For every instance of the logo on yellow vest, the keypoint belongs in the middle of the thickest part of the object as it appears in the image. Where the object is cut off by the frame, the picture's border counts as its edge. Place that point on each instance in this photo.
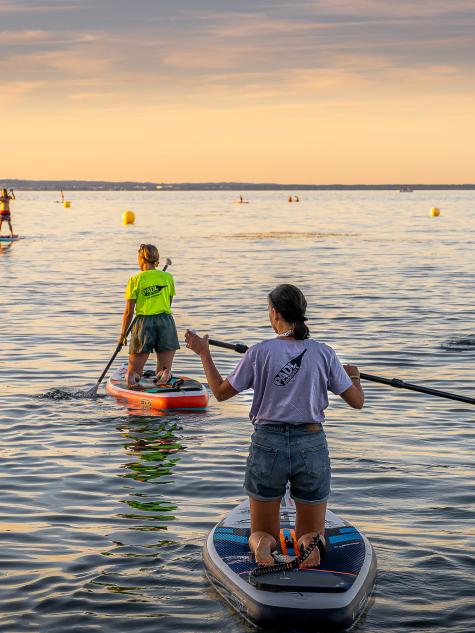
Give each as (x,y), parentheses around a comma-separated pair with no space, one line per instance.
(151,291)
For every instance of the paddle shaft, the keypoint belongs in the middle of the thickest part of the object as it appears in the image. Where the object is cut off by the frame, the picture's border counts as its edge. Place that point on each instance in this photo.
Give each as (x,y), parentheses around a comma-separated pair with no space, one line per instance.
(400,384)
(393,382)
(117,350)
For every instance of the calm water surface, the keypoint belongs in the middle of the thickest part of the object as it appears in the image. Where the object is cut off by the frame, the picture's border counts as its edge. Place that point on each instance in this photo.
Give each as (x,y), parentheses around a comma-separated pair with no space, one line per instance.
(104,512)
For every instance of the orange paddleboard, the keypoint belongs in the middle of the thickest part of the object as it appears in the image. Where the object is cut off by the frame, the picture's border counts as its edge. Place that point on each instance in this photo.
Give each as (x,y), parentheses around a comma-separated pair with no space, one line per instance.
(181,393)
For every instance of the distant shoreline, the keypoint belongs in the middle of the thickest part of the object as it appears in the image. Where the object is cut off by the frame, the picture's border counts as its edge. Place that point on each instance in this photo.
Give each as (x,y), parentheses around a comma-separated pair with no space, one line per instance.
(104,185)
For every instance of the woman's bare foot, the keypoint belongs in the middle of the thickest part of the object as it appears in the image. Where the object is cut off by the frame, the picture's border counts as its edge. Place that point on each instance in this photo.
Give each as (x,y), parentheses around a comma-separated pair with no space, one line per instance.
(314,559)
(263,552)
(262,545)
(164,376)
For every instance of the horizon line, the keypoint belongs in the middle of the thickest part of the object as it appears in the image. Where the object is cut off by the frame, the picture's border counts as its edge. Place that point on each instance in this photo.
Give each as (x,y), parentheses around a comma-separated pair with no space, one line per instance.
(229,185)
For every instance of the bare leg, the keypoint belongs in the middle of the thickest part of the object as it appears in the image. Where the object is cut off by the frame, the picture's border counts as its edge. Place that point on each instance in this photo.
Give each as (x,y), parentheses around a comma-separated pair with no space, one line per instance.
(265,525)
(310,522)
(11,228)
(135,368)
(164,366)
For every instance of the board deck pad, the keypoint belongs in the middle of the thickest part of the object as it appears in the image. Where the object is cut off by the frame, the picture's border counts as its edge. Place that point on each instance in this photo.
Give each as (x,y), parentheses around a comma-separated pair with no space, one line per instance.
(337,571)
(344,556)
(147,385)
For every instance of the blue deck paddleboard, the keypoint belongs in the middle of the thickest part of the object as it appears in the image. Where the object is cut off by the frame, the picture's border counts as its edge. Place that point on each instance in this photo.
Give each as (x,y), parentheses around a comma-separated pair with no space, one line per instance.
(332,596)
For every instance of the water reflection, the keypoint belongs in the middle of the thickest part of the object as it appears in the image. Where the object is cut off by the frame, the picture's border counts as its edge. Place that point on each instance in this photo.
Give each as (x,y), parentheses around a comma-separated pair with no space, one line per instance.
(154,448)
(5,246)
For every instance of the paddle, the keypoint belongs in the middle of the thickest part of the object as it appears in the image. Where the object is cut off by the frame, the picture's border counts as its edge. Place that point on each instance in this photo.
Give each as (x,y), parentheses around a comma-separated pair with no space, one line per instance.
(93,390)
(393,382)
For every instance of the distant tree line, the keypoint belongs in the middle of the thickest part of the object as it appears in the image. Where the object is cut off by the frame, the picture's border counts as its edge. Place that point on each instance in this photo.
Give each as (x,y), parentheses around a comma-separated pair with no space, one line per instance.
(104,185)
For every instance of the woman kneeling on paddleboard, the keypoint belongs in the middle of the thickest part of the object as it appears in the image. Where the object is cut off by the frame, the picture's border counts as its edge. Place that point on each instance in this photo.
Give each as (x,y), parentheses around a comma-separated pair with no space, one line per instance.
(150,294)
(290,375)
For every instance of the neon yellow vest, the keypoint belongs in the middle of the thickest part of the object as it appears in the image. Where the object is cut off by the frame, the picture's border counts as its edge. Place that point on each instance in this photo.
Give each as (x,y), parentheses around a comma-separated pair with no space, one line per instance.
(152,291)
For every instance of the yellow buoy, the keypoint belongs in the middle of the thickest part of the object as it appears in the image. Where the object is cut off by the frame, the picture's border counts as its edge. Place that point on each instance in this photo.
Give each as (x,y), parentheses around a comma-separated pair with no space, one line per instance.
(435,212)
(66,204)
(128,217)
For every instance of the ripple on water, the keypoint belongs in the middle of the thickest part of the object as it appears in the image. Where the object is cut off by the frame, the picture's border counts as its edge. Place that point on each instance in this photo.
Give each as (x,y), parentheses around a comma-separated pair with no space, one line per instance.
(461,344)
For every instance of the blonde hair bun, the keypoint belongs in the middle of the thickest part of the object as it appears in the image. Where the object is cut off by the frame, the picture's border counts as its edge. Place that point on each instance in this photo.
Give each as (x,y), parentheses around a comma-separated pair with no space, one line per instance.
(150,253)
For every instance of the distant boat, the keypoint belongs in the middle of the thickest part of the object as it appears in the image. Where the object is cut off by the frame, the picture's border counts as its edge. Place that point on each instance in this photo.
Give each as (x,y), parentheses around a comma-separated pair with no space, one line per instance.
(405,189)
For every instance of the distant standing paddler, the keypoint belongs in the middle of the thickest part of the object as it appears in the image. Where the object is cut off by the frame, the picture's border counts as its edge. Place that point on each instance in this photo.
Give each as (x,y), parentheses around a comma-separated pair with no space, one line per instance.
(5,209)
(240,201)
(150,295)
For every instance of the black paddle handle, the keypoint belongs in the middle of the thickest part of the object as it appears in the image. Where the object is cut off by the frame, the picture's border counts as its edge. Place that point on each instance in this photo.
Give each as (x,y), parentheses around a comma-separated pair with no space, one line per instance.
(236,347)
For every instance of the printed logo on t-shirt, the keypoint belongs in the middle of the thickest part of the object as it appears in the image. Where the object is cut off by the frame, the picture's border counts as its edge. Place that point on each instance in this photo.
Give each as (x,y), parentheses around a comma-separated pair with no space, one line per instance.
(151,291)
(288,371)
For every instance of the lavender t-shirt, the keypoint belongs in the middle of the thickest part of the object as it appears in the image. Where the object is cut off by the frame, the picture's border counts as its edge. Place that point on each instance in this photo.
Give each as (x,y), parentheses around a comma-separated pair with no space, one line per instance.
(290,380)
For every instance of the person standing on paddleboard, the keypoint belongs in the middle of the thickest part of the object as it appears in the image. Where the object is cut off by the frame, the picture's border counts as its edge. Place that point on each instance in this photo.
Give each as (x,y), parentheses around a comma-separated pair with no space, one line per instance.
(5,215)
(291,376)
(150,295)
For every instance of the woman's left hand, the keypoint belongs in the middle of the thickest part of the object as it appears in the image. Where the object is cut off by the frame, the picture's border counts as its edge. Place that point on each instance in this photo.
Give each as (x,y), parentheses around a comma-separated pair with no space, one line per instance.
(352,371)
(199,344)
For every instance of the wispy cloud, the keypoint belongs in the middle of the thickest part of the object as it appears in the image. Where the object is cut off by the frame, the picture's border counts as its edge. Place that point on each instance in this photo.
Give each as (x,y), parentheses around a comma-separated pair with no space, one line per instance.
(10,38)
(78,61)
(94,96)
(39,37)
(17,6)
(375,9)
(13,91)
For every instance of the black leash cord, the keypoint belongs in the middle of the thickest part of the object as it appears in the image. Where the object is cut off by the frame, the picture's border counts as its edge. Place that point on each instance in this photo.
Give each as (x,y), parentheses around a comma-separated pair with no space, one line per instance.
(294,564)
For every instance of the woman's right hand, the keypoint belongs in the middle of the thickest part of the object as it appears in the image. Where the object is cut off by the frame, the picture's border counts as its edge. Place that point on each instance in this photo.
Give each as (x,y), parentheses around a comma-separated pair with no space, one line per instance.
(122,340)
(199,344)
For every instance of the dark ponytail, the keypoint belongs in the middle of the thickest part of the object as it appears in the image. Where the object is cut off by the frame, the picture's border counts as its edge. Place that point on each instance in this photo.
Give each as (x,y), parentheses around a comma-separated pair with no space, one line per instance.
(290,302)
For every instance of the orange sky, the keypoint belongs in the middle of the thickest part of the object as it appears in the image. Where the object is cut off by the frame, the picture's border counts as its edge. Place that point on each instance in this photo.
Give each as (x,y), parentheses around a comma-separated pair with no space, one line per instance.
(330,91)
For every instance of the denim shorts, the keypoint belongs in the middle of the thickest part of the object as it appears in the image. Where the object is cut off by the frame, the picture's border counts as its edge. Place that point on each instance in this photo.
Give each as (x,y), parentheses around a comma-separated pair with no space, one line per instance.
(283,453)
(154,332)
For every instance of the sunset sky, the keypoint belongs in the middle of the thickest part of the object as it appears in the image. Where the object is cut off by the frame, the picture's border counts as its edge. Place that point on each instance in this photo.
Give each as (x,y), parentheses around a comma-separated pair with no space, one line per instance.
(308,91)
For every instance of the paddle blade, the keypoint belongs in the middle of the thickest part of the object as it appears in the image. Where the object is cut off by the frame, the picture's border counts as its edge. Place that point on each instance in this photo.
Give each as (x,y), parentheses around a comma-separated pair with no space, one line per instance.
(92,392)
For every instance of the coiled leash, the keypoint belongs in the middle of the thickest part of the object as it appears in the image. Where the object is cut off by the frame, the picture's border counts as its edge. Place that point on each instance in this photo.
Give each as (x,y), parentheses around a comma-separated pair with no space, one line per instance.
(294,564)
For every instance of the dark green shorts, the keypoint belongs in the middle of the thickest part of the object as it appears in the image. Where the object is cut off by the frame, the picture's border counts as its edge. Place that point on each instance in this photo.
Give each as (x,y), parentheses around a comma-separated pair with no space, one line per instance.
(153,333)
